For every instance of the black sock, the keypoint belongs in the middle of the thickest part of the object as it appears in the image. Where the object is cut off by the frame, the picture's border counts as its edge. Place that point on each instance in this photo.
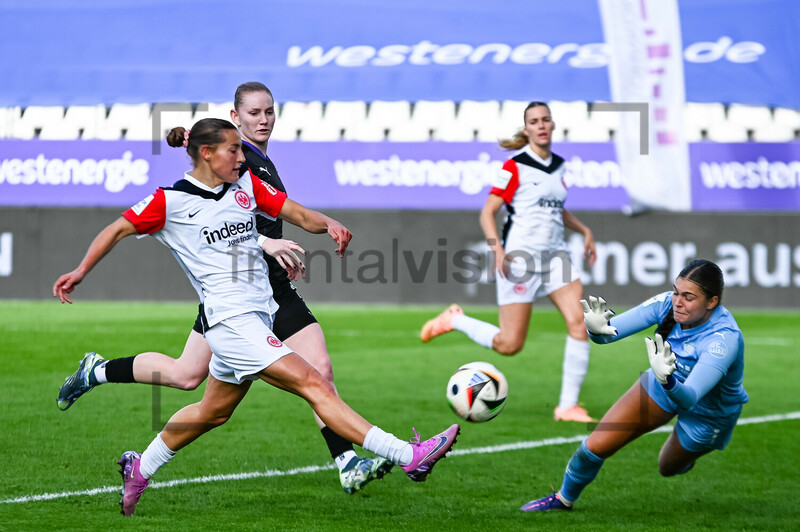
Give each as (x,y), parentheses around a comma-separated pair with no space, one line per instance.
(336,444)
(120,370)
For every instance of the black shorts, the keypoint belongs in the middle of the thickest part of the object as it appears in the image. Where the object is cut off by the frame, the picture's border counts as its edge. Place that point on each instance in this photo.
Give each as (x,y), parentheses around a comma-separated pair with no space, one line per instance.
(293,315)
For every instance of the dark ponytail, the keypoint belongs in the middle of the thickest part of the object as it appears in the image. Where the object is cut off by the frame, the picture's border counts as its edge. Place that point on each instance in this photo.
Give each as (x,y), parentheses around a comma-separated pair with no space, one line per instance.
(207,131)
(704,274)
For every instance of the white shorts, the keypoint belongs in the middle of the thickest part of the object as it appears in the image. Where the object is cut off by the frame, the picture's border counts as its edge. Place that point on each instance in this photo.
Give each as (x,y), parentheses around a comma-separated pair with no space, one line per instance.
(242,346)
(534,276)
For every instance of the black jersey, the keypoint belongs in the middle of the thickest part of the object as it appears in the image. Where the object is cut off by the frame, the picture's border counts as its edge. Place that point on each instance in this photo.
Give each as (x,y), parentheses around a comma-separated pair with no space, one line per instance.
(263,168)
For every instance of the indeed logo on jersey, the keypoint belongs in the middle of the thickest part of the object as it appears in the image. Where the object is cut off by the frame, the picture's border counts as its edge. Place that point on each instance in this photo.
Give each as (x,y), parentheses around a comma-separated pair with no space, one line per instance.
(229,230)
(551,203)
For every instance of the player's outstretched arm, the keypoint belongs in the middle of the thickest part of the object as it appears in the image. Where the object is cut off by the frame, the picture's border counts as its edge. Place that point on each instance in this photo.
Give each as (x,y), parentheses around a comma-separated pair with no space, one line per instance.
(316,222)
(100,246)
(597,316)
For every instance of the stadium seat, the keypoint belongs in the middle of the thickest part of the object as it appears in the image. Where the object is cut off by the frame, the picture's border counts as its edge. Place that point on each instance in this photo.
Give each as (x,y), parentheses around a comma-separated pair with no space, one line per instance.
(59,130)
(727,132)
(381,116)
(472,117)
(142,130)
(478,115)
(493,132)
(692,133)
(569,115)
(702,116)
(609,119)
(125,117)
(773,133)
(512,116)
(388,114)
(343,115)
(212,110)
(172,115)
(365,131)
(87,118)
(787,117)
(432,115)
(454,132)
(28,124)
(6,114)
(284,132)
(295,117)
(409,132)
(588,132)
(321,132)
(749,116)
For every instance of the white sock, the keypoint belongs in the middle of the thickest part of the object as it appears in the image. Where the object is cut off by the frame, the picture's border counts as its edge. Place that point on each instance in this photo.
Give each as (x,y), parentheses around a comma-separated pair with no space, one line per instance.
(576,363)
(480,332)
(100,373)
(156,455)
(387,445)
(343,459)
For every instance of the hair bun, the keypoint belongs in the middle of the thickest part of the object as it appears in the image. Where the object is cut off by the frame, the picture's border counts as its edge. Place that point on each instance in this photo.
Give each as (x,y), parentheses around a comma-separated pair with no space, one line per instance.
(176,137)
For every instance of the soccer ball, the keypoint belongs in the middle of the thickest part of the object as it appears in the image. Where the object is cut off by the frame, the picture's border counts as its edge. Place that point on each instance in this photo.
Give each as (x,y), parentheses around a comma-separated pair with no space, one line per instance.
(477,392)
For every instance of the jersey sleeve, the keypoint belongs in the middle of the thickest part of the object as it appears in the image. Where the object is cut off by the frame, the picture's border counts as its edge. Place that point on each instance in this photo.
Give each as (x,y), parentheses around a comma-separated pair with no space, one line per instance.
(150,214)
(506,181)
(720,350)
(269,199)
(700,381)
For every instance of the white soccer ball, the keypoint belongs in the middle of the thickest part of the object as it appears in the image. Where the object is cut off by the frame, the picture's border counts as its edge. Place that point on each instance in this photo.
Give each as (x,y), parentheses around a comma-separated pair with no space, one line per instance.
(477,392)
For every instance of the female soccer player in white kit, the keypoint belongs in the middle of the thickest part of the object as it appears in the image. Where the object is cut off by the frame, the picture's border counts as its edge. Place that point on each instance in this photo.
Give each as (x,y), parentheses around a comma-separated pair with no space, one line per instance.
(532,260)
(207,221)
(293,324)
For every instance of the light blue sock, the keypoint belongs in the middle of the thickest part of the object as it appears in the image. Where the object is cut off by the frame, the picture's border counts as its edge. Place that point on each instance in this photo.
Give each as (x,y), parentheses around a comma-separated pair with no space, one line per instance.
(581,470)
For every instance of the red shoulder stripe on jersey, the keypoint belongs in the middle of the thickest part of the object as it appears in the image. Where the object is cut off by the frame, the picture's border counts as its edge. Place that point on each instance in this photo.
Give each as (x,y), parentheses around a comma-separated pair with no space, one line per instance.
(150,214)
(269,199)
(508,193)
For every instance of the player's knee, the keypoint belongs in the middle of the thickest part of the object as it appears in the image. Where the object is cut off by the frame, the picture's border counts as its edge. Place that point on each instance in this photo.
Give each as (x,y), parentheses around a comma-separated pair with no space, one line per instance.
(576,328)
(218,419)
(317,387)
(509,346)
(189,382)
(324,368)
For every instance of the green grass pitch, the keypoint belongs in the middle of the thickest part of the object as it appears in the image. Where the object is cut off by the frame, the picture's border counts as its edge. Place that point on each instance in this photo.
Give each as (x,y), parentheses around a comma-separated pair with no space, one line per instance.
(395,381)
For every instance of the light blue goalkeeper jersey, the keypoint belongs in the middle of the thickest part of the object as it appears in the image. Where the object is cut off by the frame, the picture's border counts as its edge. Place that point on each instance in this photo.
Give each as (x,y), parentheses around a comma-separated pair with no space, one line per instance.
(710,357)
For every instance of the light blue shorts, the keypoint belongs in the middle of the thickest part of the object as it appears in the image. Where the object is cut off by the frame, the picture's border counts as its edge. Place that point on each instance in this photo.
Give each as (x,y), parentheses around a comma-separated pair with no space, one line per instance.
(696,433)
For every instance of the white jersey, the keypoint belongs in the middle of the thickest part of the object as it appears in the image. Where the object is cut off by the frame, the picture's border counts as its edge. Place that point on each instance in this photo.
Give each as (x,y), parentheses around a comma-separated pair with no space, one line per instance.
(534,192)
(212,235)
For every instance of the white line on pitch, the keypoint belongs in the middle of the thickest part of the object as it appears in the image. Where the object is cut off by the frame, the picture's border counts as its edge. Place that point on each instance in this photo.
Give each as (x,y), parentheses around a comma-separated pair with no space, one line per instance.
(314,469)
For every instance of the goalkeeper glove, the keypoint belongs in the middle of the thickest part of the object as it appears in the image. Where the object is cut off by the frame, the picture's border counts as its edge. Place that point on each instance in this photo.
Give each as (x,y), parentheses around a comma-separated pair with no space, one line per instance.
(596,316)
(662,359)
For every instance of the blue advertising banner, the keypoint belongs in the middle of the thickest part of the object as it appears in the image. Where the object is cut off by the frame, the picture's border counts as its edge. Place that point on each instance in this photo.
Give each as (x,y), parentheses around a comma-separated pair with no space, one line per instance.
(69,52)
(383,175)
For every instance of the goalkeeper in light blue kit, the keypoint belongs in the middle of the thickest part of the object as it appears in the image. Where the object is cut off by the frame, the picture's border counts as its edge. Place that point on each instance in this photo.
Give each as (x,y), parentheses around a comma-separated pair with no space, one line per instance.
(696,370)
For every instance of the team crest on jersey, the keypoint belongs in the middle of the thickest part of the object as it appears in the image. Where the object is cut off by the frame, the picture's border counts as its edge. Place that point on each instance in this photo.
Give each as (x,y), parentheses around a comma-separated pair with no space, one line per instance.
(688,348)
(718,350)
(274,342)
(242,199)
